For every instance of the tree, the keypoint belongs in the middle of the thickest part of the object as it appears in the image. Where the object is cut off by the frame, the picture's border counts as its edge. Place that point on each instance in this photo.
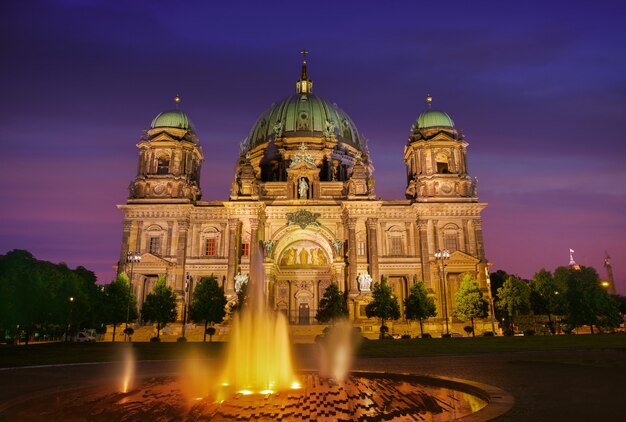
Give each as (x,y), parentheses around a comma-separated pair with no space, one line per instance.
(160,305)
(514,297)
(208,303)
(419,306)
(470,302)
(544,294)
(116,302)
(332,306)
(621,302)
(383,305)
(496,280)
(586,302)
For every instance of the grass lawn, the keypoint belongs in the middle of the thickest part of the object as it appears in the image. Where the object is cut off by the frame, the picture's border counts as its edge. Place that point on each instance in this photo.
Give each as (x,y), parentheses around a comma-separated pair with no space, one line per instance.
(477,345)
(59,353)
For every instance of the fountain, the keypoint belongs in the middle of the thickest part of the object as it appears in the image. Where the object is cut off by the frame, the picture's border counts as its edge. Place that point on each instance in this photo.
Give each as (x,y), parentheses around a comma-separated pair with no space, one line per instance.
(258,382)
(258,358)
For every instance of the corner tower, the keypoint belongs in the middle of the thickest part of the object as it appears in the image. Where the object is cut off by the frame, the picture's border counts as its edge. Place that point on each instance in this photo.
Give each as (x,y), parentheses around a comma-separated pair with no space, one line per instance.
(436,162)
(169,161)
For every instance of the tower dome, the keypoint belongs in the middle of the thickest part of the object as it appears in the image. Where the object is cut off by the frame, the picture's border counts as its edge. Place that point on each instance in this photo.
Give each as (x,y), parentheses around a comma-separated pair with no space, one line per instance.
(433,118)
(172,119)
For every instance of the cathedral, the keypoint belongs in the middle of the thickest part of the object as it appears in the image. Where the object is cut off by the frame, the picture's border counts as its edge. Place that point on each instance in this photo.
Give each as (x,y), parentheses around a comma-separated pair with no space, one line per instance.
(302,205)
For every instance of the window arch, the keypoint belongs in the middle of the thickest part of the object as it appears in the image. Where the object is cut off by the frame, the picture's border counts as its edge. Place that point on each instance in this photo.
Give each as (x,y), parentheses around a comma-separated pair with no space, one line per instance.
(442,163)
(450,237)
(210,242)
(395,241)
(154,239)
(163,164)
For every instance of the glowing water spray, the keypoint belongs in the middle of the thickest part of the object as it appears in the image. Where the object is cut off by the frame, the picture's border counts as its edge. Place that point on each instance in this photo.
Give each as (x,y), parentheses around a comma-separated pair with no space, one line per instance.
(128,369)
(258,359)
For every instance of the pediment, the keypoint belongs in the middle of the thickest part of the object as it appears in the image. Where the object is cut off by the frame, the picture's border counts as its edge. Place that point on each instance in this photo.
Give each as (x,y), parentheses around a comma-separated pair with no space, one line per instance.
(164,137)
(462,258)
(151,260)
(303,165)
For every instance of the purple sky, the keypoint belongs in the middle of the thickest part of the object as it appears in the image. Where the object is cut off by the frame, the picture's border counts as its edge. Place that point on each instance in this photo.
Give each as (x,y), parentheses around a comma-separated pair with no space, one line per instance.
(539,89)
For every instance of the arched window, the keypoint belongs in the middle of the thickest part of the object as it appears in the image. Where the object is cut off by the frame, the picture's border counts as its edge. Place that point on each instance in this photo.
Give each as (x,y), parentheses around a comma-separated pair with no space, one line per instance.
(163,165)
(442,163)
(396,234)
(450,234)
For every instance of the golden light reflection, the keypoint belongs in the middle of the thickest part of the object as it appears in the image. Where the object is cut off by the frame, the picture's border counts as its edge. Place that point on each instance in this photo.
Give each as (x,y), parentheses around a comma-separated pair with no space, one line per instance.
(258,358)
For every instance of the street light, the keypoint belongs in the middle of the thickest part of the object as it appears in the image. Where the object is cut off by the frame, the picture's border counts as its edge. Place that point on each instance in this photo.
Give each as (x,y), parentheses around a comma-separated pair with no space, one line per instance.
(187,283)
(69,320)
(493,316)
(132,257)
(443,256)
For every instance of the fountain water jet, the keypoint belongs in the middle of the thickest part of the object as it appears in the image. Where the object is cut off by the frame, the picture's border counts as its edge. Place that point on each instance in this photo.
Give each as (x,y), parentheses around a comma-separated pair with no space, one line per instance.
(258,357)
(128,368)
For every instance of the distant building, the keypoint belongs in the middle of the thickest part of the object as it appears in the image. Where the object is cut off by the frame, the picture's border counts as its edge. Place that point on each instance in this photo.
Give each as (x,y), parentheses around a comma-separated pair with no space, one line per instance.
(609,283)
(303,194)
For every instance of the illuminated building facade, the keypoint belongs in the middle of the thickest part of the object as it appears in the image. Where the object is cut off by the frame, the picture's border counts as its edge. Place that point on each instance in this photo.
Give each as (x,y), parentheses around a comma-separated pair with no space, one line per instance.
(302,200)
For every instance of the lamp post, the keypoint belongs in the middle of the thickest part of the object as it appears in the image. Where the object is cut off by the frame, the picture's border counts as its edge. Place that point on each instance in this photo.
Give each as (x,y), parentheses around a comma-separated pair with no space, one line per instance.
(187,281)
(132,257)
(443,256)
(491,309)
(69,320)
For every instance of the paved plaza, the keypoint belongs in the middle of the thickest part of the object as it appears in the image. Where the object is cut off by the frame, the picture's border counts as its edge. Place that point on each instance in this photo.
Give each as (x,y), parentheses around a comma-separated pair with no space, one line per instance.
(547,386)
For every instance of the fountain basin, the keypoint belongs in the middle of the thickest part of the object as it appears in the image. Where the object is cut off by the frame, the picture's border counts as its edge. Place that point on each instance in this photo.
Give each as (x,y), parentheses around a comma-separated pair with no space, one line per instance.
(364,396)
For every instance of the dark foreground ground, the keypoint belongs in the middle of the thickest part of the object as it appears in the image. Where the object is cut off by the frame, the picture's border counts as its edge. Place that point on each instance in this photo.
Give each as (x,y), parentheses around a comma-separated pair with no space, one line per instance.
(571,382)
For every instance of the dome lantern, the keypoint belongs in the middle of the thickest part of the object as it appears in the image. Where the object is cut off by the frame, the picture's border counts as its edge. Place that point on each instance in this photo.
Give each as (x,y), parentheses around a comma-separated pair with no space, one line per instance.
(304,85)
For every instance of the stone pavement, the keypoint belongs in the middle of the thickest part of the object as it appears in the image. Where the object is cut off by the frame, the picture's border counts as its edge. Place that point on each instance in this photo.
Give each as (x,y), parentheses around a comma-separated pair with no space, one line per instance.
(574,385)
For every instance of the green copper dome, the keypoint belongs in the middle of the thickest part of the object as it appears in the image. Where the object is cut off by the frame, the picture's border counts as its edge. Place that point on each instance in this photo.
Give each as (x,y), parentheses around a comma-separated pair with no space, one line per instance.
(172,118)
(303,115)
(433,118)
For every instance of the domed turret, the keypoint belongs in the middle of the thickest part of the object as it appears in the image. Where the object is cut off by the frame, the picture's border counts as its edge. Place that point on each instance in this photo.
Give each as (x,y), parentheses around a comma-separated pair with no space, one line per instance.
(433,118)
(169,160)
(436,160)
(173,119)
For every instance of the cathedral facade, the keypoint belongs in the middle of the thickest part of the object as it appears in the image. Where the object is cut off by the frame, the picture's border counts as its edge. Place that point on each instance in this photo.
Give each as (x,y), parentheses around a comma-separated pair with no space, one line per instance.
(302,206)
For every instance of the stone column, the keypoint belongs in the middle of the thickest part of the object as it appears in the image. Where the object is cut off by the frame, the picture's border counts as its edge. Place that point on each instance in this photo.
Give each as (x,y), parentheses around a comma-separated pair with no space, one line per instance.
(352,270)
(465,166)
(254,242)
(409,239)
(372,250)
(127,225)
(480,248)
(424,255)
(181,253)
(233,224)
(452,163)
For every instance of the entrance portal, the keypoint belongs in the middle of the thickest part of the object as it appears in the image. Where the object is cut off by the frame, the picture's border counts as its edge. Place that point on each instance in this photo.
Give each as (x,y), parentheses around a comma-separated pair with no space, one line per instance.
(303,314)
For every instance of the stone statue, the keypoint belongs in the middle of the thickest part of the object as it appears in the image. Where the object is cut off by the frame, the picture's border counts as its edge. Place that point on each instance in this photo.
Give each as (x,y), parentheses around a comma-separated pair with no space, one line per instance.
(365,282)
(303,188)
(240,280)
(243,145)
(329,129)
(338,246)
(278,129)
(268,245)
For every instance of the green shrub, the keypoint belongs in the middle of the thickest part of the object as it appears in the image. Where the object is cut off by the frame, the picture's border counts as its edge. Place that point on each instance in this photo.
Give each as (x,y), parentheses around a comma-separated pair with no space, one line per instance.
(488,334)
(468,329)
(509,333)
(529,332)
(155,340)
